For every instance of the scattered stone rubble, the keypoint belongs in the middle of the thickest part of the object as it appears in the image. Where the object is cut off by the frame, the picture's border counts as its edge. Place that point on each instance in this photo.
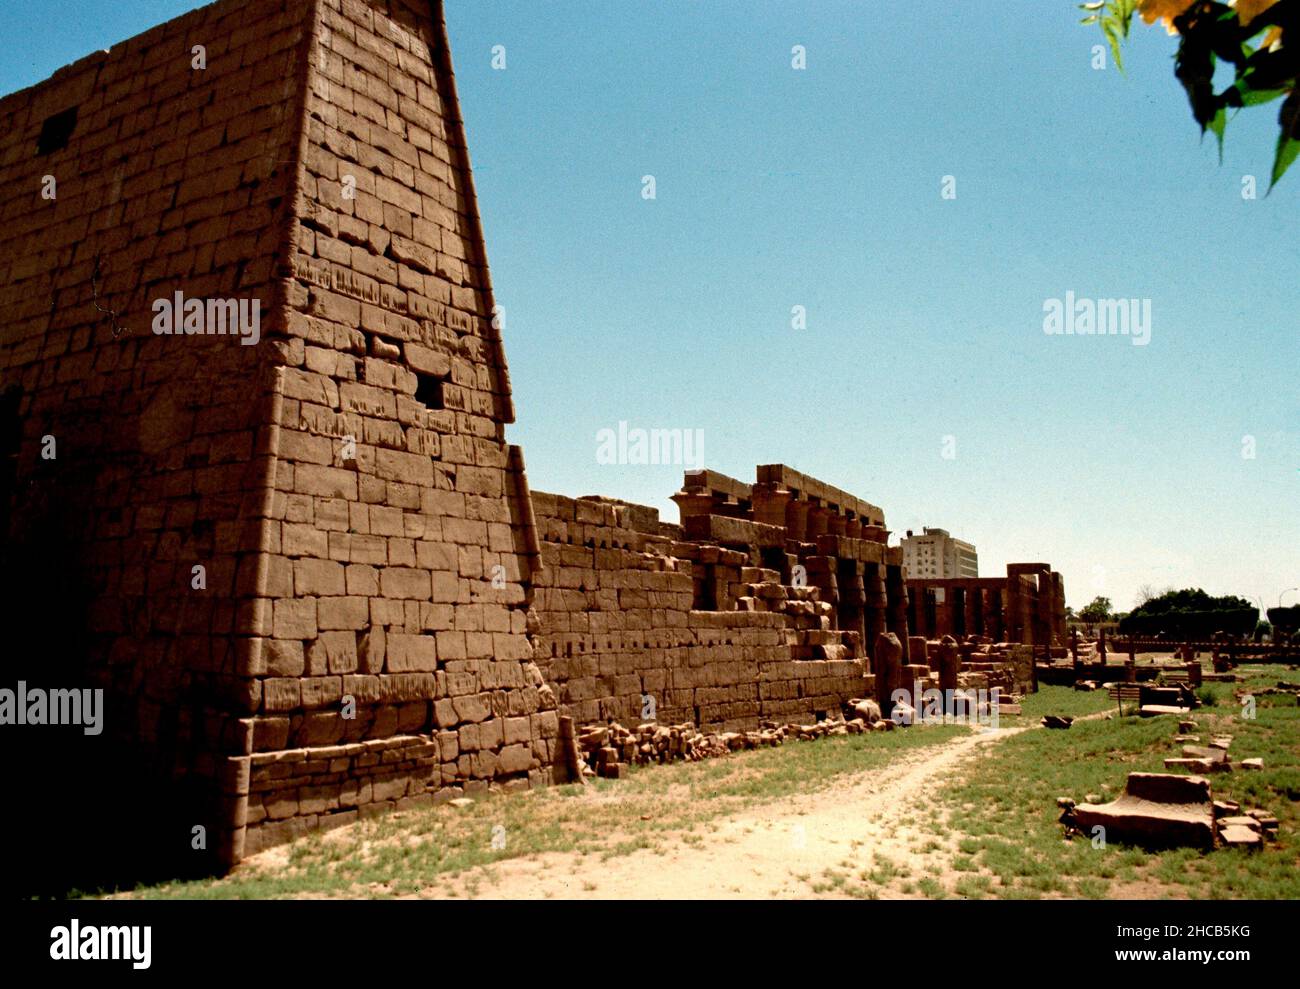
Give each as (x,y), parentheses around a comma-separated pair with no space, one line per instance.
(1169,810)
(608,750)
(1283,688)
(1211,758)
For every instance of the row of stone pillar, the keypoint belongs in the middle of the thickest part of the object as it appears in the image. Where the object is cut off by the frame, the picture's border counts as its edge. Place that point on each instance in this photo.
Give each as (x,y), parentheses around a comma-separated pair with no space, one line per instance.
(804,520)
(981,609)
(891,657)
(869,598)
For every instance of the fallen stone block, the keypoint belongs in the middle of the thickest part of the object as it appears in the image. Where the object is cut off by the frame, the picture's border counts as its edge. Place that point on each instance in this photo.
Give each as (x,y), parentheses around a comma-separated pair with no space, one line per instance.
(1186,727)
(1155,810)
(1267,822)
(1053,721)
(1240,820)
(1255,764)
(1199,765)
(1237,836)
(1154,710)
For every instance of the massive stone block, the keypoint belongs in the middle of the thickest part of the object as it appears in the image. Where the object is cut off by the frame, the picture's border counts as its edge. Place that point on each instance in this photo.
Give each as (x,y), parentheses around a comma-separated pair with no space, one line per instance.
(234,527)
(1156,810)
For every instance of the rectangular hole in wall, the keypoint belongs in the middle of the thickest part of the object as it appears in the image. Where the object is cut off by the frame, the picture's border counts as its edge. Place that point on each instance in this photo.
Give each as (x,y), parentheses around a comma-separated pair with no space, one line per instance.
(56,131)
(428,391)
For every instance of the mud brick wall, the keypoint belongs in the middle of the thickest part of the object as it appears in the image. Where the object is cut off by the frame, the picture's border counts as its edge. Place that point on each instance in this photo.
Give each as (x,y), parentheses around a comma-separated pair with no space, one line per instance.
(617,626)
(166,178)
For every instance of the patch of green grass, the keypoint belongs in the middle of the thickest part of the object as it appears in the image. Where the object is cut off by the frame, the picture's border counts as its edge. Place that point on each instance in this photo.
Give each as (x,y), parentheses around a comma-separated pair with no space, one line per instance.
(1005,809)
(447,851)
(884,872)
(1064,702)
(974,887)
(931,889)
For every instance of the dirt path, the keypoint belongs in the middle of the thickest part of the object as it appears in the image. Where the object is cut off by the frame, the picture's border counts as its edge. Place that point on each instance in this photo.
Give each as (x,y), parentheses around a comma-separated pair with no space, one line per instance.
(873,822)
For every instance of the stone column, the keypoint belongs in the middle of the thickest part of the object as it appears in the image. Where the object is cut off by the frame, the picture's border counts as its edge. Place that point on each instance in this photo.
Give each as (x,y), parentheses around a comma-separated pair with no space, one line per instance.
(1011,616)
(949,662)
(943,613)
(993,615)
(1043,610)
(821,574)
(875,620)
(692,503)
(818,521)
(796,519)
(853,597)
(970,601)
(770,501)
(1058,605)
(888,670)
(896,589)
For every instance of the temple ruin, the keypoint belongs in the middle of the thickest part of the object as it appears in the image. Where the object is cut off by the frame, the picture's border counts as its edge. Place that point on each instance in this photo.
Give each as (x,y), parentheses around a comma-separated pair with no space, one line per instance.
(1027,606)
(308,573)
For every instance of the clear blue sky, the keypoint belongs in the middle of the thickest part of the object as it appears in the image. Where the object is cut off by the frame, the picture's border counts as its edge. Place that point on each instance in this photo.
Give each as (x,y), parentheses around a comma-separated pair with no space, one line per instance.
(1121,465)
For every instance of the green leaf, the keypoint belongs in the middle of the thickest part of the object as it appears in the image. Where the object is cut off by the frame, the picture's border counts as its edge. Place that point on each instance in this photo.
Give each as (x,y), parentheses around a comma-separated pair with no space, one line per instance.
(1288,148)
(1111,32)
(1288,140)
(1125,10)
(1258,97)
(1218,124)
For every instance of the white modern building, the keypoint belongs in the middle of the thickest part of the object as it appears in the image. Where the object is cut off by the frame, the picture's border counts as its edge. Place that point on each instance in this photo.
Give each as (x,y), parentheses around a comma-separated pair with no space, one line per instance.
(936,555)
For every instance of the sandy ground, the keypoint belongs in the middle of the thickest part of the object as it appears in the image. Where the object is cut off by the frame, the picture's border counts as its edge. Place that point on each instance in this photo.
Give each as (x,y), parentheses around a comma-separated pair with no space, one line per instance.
(777,850)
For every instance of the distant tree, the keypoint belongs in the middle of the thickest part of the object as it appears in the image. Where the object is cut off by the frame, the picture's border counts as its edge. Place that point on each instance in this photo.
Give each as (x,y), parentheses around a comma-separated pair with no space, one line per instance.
(1189,599)
(1192,612)
(1098,610)
(1258,38)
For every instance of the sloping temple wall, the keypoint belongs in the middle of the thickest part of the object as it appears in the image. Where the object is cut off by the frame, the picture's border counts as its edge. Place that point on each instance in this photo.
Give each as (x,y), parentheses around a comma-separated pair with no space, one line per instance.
(356,636)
